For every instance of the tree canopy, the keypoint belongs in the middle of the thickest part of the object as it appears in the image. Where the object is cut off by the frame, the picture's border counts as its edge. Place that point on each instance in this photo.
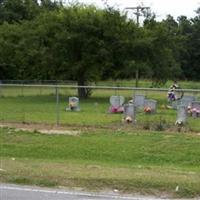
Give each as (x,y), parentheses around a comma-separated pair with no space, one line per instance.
(42,40)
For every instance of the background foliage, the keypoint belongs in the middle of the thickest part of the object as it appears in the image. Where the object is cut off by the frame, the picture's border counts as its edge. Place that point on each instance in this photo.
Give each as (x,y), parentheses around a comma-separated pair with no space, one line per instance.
(41,40)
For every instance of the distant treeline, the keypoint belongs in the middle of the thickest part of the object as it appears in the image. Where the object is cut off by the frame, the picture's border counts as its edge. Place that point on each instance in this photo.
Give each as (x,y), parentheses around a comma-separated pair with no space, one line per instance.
(41,40)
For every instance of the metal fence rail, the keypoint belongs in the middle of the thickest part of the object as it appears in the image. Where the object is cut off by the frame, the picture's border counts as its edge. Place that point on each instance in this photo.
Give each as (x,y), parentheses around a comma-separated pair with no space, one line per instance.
(99,87)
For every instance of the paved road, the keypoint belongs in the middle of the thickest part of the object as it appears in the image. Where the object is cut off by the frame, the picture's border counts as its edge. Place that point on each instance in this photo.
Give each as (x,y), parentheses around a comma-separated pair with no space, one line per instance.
(15,192)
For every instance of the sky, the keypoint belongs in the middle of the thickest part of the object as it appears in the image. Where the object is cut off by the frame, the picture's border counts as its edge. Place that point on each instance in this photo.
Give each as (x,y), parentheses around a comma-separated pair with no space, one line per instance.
(160,7)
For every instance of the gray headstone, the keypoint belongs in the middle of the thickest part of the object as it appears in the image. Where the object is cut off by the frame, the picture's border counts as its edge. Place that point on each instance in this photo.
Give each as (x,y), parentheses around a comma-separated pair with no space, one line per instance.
(139,101)
(129,113)
(150,103)
(181,114)
(187,100)
(74,104)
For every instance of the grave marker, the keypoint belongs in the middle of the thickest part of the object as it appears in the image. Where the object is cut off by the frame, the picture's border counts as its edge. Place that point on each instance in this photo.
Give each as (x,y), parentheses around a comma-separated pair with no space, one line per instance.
(181,115)
(129,113)
(139,101)
(150,105)
(116,104)
(73,104)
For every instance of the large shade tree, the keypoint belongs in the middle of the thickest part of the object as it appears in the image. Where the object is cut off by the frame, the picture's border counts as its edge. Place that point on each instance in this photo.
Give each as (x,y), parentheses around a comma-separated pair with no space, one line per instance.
(86,44)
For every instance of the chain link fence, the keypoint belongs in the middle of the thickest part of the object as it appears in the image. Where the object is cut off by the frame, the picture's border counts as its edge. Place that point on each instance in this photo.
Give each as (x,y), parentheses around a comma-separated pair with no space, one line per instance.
(47,102)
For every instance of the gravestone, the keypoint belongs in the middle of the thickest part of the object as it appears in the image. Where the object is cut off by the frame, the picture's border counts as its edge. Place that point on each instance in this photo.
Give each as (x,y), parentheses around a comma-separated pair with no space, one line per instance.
(187,100)
(139,101)
(117,101)
(129,113)
(150,105)
(73,104)
(195,109)
(116,104)
(181,115)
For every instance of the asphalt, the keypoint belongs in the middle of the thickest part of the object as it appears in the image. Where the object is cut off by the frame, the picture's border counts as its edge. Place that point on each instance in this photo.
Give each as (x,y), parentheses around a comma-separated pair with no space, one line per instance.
(16,192)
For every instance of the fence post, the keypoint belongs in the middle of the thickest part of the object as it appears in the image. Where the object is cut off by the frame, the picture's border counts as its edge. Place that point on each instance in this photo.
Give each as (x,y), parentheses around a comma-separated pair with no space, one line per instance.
(57,107)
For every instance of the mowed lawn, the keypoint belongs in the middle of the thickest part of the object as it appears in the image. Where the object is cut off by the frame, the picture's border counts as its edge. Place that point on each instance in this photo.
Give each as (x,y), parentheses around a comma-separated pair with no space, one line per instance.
(108,154)
(38,105)
(135,161)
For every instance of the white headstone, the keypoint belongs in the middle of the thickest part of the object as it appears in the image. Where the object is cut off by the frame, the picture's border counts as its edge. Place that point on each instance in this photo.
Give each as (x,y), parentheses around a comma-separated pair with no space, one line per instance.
(117,101)
(74,104)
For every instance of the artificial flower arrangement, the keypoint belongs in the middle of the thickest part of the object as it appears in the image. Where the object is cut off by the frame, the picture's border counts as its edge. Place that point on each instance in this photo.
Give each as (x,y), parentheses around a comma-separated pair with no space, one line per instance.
(171,96)
(72,105)
(193,111)
(148,110)
(114,109)
(128,119)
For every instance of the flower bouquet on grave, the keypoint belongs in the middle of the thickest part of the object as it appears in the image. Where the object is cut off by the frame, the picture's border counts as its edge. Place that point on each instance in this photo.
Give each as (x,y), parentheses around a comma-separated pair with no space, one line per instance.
(114,109)
(148,110)
(128,119)
(72,105)
(171,96)
(195,112)
(189,110)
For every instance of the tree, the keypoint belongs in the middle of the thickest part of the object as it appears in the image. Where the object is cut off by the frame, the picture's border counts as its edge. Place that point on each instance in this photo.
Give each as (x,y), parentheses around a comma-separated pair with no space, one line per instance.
(163,54)
(194,46)
(16,10)
(185,29)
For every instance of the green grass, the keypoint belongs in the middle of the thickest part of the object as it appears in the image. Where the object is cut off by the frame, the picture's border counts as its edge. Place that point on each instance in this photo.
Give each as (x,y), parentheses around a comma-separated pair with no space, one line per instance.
(132,162)
(94,111)
(108,154)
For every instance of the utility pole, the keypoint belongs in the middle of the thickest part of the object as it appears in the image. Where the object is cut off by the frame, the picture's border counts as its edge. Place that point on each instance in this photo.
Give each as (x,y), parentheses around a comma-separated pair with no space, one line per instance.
(140,11)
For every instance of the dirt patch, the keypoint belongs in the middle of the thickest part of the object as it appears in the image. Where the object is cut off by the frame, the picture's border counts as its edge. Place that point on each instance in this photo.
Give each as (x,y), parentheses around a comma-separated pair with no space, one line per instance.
(74,129)
(41,128)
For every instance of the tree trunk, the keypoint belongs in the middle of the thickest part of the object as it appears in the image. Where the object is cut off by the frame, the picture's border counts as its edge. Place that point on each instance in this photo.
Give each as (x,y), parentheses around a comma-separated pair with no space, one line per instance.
(82,92)
(136,77)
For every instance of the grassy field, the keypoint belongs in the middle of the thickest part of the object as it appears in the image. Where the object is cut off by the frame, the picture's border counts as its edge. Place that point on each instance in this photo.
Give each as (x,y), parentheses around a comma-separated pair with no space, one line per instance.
(133,162)
(147,158)
(36,105)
